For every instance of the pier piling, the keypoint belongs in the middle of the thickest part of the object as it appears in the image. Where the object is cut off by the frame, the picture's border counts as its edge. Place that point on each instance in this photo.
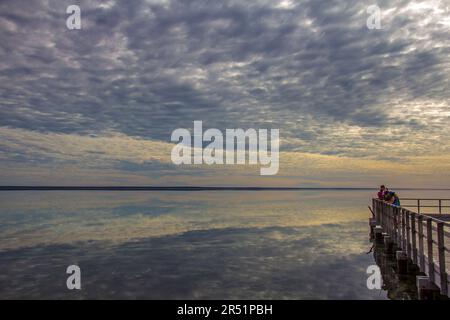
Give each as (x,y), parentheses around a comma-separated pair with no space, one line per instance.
(379,234)
(372,225)
(388,244)
(402,262)
(426,289)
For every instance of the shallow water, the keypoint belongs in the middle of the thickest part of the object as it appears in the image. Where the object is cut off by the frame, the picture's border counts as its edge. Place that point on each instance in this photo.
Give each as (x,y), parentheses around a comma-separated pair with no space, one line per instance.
(305,244)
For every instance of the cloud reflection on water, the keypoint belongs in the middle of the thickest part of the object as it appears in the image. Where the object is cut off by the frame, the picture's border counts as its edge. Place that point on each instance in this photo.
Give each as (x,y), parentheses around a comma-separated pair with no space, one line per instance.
(293,245)
(35,218)
(258,263)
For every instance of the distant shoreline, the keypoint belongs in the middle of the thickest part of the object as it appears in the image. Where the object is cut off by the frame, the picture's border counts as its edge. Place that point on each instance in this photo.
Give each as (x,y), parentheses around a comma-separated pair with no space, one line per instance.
(189,188)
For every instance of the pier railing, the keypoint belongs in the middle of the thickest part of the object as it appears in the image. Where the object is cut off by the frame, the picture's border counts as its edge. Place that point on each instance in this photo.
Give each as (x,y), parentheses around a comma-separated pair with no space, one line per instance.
(423,238)
(427,205)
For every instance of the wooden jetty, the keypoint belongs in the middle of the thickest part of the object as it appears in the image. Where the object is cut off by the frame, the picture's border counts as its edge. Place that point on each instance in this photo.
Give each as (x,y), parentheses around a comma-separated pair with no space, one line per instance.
(419,239)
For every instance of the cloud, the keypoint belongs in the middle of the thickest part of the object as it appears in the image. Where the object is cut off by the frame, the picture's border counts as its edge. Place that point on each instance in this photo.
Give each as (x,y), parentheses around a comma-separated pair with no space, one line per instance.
(140,69)
(29,158)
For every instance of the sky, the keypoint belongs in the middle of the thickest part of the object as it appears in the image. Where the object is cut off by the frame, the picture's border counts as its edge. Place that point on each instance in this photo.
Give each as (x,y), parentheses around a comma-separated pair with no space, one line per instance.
(355,107)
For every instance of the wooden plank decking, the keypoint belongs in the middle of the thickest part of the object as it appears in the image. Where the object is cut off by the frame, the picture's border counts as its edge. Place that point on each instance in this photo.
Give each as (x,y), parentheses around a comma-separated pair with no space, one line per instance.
(423,238)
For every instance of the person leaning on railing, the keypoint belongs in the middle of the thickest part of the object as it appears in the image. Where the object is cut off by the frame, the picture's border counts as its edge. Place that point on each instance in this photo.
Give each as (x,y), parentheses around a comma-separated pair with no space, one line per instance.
(392,198)
(381,192)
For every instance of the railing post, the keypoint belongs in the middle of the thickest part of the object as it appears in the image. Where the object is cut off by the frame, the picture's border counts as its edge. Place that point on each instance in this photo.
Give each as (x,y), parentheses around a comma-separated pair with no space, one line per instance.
(392,232)
(399,231)
(421,251)
(388,220)
(430,249)
(408,235)
(395,227)
(391,221)
(440,206)
(413,237)
(441,250)
(403,230)
(374,207)
(381,215)
(379,208)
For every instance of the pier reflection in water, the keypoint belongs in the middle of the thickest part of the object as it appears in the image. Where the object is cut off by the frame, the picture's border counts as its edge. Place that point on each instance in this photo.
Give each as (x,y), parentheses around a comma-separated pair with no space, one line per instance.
(397,286)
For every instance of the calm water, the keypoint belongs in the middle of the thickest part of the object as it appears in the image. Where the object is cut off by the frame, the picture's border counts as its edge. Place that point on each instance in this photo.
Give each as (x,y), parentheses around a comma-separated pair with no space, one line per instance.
(188,245)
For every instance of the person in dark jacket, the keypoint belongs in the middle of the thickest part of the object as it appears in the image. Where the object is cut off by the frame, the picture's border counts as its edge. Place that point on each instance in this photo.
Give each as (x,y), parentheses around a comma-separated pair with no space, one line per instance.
(392,198)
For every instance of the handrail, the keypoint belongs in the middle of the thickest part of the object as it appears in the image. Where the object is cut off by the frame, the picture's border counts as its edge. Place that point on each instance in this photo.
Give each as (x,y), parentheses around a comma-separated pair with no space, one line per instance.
(422,206)
(443,199)
(441,203)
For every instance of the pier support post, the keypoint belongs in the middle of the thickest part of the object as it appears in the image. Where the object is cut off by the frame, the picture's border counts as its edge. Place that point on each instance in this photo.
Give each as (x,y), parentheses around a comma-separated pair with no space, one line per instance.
(379,234)
(426,290)
(372,224)
(388,244)
(402,262)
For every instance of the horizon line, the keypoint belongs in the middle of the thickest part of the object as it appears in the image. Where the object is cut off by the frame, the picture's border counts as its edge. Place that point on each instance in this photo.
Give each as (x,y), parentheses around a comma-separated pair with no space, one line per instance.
(190,188)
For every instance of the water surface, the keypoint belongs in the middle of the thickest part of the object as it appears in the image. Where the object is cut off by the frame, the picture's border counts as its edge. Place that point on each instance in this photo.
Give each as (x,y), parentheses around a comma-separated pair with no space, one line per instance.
(307,244)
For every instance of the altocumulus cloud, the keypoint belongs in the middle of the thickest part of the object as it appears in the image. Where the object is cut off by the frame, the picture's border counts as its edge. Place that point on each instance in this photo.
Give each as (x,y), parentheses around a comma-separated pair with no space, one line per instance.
(140,69)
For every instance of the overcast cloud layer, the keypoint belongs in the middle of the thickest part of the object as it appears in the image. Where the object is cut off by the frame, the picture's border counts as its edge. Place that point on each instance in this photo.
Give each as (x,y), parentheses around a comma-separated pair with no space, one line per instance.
(140,69)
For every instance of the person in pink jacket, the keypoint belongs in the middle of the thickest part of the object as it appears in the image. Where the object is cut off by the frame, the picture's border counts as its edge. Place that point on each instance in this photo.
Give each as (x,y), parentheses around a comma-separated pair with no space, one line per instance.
(382,192)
